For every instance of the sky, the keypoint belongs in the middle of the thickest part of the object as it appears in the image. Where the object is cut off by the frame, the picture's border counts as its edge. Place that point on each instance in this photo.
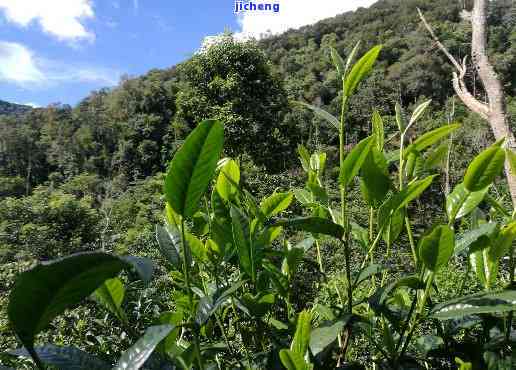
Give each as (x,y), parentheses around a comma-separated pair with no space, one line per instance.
(58,51)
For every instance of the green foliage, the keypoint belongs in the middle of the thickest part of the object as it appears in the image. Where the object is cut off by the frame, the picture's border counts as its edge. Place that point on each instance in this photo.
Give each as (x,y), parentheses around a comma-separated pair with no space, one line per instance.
(249,278)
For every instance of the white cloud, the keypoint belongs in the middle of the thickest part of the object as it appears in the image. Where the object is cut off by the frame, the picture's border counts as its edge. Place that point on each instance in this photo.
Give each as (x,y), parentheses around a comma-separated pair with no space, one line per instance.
(17,64)
(20,66)
(60,18)
(293,14)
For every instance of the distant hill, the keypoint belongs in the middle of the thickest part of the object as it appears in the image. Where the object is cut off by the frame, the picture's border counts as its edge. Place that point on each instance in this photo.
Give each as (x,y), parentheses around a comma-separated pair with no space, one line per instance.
(11,108)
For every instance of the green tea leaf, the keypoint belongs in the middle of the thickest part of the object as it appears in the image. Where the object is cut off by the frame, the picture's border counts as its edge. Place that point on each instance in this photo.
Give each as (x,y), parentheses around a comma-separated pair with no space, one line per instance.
(436,157)
(338,62)
(400,117)
(430,138)
(58,285)
(314,225)
(292,360)
(135,357)
(304,157)
(241,238)
(326,334)
(436,248)
(460,202)
(468,238)
(378,130)
(229,176)
(474,304)
(193,166)
(169,242)
(479,261)
(400,200)
(111,295)
(275,204)
(354,160)
(321,113)
(303,196)
(511,157)
(360,70)
(420,109)
(484,168)
(375,182)
(302,336)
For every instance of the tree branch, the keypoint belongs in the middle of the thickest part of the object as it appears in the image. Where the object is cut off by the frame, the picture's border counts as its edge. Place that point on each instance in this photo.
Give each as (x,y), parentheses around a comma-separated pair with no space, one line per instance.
(458,77)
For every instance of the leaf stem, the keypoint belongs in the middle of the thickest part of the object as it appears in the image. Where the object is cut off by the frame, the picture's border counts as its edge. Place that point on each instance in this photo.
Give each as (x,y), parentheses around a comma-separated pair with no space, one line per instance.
(186,272)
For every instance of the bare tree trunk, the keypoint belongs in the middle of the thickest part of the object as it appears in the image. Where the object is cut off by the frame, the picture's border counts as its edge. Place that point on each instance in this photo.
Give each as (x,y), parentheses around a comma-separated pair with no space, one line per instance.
(496,116)
(494,110)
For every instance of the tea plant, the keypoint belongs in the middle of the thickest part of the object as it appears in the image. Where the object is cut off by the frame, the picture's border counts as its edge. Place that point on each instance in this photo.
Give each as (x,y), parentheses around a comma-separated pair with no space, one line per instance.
(232,262)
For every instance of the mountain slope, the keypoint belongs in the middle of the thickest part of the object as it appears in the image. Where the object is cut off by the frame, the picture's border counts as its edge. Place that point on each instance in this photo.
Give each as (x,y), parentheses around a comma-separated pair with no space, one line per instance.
(11,108)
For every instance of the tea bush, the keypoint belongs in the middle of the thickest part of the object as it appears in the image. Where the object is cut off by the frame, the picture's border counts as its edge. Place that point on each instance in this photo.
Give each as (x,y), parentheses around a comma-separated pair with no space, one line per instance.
(238,270)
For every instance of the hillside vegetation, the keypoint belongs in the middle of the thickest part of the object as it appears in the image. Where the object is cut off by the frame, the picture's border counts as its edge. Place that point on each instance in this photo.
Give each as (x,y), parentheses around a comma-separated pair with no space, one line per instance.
(206,167)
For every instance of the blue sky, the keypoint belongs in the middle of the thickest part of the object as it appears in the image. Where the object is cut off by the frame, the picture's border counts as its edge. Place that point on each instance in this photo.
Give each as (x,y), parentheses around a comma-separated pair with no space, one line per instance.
(59,50)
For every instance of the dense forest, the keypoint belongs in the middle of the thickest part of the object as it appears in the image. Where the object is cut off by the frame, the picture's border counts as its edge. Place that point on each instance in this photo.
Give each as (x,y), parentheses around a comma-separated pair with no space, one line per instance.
(90,177)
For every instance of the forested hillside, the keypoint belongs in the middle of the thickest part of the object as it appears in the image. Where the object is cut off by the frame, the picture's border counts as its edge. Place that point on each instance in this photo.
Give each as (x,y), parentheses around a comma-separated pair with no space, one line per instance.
(91,176)
(10,108)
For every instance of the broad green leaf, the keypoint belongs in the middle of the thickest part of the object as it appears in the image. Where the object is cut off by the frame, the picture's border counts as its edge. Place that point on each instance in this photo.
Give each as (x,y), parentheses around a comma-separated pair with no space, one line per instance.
(169,243)
(400,200)
(484,168)
(135,357)
(275,204)
(69,358)
(292,360)
(474,304)
(420,109)
(111,295)
(354,160)
(321,113)
(469,237)
(301,338)
(436,248)
(460,202)
(58,285)
(193,166)
(314,225)
(326,334)
(375,182)
(229,176)
(378,130)
(360,70)
(241,238)
(430,138)
(338,62)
